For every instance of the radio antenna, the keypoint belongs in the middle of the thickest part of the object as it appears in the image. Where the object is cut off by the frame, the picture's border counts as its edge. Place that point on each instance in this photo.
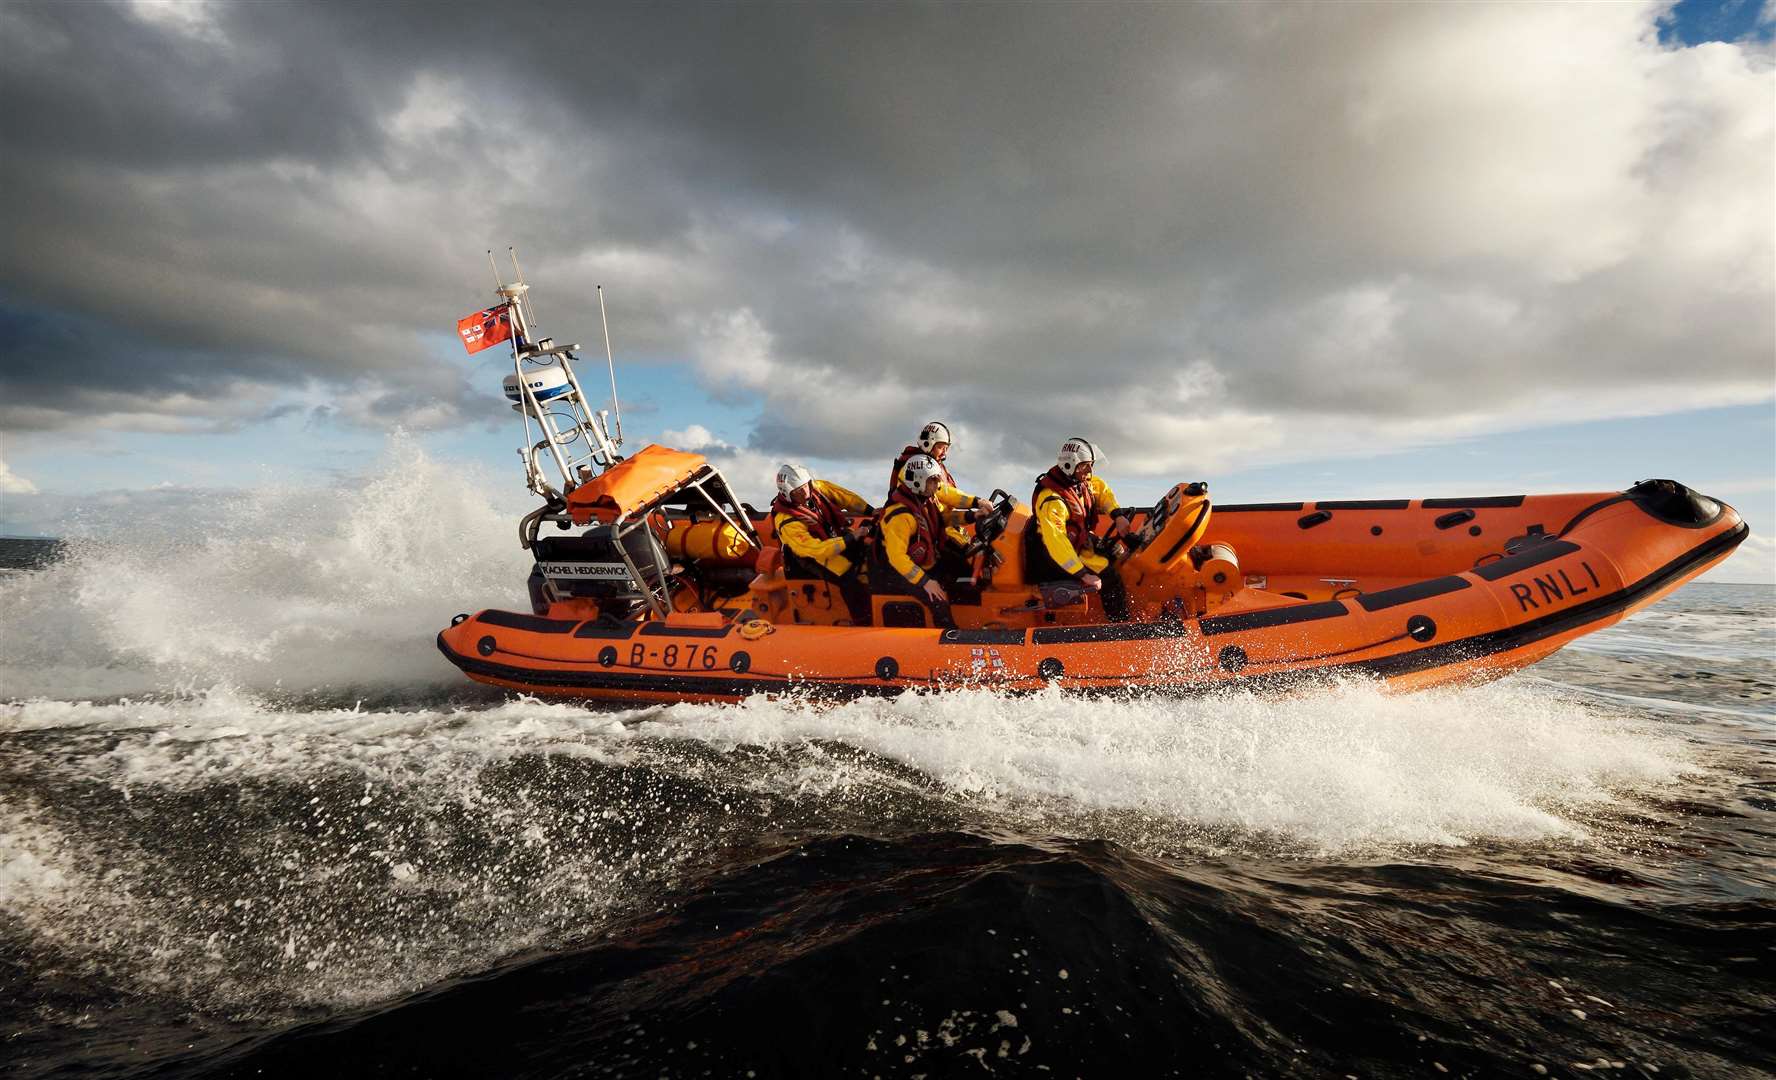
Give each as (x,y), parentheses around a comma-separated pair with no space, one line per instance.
(497,283)
(529,308)
(610,362)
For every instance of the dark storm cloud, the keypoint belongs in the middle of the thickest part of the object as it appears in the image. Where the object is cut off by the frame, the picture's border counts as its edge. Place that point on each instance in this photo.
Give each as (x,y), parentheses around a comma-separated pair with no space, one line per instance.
(1194,227)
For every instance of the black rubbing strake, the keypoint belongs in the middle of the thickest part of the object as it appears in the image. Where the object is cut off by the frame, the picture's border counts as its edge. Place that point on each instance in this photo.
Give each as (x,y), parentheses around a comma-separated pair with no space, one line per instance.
(1409,594)
(656,629)
(597,628)
(1364,504)
(512,620)
(1483,503)
(1535,556)
(1079,635)
(1280,616)
(982,637)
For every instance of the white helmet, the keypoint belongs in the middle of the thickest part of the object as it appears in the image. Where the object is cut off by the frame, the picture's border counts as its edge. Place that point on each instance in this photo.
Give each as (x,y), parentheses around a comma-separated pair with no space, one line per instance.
(933,433)
(918,469)
(792,476)
(1074,452)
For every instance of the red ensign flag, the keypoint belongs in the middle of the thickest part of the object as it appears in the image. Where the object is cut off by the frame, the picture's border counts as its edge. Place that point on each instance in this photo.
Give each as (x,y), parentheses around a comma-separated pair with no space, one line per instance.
(485,328)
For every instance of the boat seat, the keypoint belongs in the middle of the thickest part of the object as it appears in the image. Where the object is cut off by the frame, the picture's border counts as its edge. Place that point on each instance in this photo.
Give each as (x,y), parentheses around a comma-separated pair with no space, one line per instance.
(1010,549)
(769,561)
(809,601)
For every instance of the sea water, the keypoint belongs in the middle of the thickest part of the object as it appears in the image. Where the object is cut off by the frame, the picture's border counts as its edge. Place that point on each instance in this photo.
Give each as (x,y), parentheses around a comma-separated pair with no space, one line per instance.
(252,823)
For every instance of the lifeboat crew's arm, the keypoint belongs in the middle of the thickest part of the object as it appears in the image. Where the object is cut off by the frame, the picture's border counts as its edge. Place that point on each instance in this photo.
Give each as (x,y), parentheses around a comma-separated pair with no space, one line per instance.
(847,500)
(834,553)
(1051,519)
(1121,523)
(957,506)
(898,531)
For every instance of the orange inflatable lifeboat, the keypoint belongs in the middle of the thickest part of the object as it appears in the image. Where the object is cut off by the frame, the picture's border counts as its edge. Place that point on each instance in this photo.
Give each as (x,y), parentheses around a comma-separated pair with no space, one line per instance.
(663,587)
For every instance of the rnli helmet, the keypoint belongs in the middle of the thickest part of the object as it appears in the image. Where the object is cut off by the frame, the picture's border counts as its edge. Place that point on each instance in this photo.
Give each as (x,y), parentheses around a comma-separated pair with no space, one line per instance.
(918,469)
(1074,453)
(792,476)
(933,433)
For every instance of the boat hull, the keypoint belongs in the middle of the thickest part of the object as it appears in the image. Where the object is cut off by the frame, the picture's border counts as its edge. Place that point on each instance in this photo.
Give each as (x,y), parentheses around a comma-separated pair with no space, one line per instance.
(1617,554)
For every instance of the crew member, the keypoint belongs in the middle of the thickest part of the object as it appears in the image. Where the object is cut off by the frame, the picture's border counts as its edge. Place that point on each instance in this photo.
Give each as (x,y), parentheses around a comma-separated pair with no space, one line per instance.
(959,506)
(913,553)
(818,543)
(1061,542)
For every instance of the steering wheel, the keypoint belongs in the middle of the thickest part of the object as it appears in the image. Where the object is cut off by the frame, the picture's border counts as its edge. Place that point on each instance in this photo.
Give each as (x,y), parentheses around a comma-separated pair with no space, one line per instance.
(990,525)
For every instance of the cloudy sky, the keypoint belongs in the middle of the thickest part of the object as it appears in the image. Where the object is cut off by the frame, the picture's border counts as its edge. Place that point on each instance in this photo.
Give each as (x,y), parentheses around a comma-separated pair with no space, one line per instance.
(1301,251)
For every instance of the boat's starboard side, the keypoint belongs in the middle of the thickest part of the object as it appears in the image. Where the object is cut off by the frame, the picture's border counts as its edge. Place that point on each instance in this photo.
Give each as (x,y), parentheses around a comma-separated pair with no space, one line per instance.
(1616,556)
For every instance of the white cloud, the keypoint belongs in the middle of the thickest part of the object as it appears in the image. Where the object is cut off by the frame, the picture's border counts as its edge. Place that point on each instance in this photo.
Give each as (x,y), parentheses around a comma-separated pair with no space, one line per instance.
(13,484)
(1754,562)
(194,19)
(695,438)
(734,352)
(1218,235)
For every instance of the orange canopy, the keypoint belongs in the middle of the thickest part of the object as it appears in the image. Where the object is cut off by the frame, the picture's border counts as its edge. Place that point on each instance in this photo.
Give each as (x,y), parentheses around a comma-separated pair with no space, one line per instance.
(632,484)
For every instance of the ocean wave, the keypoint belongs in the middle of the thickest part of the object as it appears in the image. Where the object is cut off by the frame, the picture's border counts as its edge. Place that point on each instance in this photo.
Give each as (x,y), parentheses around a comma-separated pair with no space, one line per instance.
(295,589)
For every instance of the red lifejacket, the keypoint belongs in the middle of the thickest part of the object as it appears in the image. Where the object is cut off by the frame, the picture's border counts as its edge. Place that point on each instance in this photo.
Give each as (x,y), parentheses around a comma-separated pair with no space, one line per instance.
(925,543)
(820,514)
(1082,509)
(900,463)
